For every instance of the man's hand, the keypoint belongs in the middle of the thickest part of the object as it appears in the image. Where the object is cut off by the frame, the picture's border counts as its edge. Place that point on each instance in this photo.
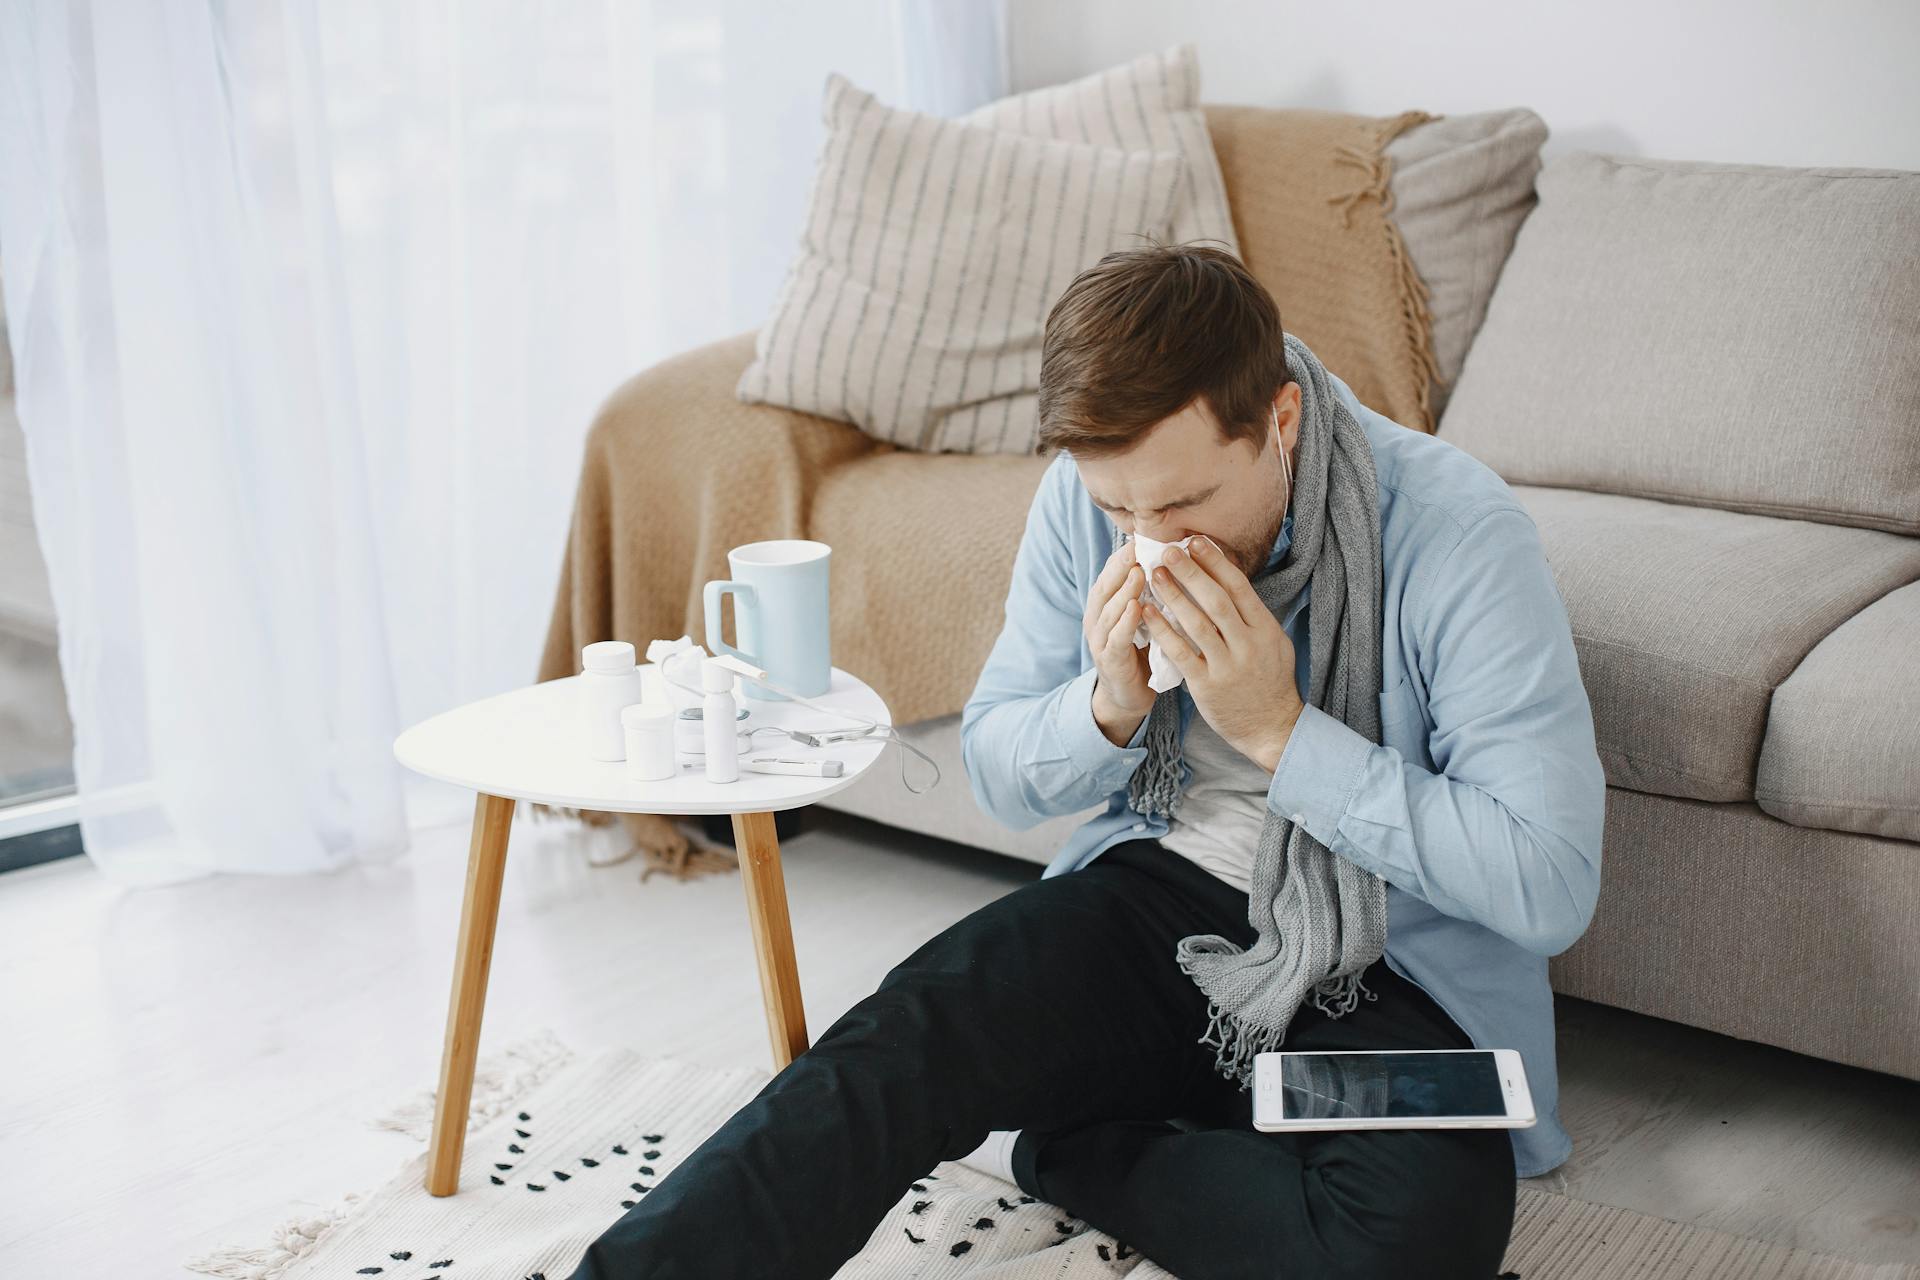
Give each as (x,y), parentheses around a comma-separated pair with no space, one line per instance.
(1241,674)
(1121,697)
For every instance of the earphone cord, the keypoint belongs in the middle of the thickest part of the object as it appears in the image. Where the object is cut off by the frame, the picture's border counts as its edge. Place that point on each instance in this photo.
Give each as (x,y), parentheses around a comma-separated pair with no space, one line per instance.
(891,734)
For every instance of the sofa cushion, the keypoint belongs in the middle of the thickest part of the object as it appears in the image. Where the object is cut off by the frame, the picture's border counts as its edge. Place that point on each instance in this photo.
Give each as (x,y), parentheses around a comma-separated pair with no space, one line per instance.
(1462,185)
(1736,336)
(1843,736)
(932,252)
(1149,104)
(1687,618)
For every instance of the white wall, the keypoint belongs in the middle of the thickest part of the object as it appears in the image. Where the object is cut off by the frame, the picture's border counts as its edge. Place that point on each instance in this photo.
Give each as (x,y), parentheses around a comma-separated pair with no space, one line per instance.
(940,56)
(1769,82)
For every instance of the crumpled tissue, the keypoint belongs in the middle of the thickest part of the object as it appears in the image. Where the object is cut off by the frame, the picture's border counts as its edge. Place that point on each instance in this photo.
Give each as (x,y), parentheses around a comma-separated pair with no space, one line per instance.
(679,662)
(1161,673)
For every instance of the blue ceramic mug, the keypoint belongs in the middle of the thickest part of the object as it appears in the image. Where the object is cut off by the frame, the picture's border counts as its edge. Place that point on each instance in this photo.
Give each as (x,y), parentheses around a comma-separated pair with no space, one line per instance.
(780,614)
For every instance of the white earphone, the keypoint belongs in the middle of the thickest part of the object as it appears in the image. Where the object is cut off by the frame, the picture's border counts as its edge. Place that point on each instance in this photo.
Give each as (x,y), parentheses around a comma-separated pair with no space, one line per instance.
(869,728)
(1280,444)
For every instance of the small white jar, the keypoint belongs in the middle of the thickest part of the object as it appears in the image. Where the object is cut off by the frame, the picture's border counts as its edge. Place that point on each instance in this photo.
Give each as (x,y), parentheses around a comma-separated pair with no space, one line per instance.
(649,734)
(609,682)
(690,730)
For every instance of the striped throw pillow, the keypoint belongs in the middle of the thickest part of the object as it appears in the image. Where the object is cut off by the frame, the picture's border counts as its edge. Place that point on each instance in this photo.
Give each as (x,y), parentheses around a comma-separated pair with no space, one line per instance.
(1151,103)
(933,251)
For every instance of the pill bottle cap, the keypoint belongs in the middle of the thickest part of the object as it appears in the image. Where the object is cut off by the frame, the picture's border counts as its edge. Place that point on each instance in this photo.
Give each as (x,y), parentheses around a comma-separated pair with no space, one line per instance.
(607,655)
(637,715)
(716,677)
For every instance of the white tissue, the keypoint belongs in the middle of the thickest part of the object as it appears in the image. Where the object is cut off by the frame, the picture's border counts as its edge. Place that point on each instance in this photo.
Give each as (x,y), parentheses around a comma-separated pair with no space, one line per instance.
(679,662)
(1161,673)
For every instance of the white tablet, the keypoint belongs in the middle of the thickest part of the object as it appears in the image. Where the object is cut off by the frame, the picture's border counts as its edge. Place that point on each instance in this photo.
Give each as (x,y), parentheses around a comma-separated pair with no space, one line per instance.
(1391,1089)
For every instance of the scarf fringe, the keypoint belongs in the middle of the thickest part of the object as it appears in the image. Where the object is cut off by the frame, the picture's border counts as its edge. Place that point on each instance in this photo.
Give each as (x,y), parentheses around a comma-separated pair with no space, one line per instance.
(1159,774)
(1344,990)
(1236,1043)
(1237,1040)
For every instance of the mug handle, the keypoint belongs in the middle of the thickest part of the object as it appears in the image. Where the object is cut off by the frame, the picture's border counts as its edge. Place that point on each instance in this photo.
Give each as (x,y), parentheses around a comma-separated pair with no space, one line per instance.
(710,598)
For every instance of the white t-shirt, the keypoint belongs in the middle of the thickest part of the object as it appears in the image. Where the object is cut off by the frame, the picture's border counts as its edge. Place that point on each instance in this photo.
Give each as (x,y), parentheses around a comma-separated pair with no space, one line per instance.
(1218,821)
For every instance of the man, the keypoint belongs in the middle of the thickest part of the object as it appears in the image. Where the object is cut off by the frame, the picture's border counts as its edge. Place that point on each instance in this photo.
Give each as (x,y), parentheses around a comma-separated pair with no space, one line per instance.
(1057,1015)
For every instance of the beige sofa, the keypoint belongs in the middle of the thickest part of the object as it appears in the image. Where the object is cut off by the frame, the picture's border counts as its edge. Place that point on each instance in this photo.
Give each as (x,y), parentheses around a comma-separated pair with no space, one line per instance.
(1703,381)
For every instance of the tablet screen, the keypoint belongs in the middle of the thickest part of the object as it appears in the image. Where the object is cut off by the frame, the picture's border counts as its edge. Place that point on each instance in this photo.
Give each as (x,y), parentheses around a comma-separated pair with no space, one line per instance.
(1332,1086)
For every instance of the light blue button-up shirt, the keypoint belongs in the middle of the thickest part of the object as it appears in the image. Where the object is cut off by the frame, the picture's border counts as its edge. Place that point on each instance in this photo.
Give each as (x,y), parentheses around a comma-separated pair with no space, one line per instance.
(1481,807)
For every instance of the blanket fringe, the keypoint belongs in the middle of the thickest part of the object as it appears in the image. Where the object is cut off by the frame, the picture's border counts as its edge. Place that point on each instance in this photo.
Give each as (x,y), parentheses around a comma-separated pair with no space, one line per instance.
(499,1081)
(1415,300)
(549,812)
(665,842)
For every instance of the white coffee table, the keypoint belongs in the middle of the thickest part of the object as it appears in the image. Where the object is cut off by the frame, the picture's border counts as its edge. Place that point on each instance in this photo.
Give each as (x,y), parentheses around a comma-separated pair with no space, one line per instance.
(526,745)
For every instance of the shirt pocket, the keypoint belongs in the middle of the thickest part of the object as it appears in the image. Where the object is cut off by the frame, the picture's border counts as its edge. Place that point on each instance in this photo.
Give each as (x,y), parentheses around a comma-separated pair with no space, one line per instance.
(1398,704)
(1403,722)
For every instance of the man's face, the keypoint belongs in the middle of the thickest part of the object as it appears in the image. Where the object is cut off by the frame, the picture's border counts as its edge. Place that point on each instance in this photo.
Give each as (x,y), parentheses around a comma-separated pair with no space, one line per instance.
(1181,478)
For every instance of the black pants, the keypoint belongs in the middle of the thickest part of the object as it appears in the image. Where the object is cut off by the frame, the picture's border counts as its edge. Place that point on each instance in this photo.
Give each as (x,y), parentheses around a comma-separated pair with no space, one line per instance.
(1059,1010)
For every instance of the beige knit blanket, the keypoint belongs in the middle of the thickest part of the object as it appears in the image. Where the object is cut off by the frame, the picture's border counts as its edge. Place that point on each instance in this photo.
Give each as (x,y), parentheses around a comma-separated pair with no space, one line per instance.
(677,470)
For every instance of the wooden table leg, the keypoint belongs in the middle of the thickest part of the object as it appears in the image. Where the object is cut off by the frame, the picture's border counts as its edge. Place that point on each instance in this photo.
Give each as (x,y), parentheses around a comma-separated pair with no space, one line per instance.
(758,847)
(473,954)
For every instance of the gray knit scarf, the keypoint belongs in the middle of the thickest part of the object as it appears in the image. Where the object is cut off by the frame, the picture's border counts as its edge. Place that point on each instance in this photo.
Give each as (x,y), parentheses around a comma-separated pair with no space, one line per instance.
(1321,919)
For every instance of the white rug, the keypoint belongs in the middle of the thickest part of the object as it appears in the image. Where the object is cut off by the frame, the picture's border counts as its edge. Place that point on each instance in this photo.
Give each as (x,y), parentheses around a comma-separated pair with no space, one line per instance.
(558,1147)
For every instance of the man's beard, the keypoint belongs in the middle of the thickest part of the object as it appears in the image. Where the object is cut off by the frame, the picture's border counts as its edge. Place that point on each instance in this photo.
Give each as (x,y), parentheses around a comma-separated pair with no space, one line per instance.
(1251,557)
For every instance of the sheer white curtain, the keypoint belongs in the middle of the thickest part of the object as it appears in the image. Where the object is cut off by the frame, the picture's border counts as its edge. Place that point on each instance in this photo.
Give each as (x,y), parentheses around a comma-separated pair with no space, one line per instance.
(311,304)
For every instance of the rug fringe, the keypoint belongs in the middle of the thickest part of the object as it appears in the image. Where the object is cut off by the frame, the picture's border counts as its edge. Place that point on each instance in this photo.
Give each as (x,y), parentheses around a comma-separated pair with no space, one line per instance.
(291,1240)
(499,1080)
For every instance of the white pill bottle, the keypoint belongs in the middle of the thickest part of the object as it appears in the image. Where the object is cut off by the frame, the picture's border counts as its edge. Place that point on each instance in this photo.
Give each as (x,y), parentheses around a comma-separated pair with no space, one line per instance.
(717,714)
(609,683)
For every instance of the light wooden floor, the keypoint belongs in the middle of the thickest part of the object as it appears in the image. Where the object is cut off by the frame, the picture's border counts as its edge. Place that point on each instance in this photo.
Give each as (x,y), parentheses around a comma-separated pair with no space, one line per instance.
(179,1067)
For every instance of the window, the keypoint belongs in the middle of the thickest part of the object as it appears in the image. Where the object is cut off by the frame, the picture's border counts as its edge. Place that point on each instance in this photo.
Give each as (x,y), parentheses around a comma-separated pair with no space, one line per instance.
(38,811)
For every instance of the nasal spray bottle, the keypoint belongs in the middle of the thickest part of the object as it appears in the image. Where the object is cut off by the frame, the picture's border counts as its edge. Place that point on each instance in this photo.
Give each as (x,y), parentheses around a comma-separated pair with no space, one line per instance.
(717,714)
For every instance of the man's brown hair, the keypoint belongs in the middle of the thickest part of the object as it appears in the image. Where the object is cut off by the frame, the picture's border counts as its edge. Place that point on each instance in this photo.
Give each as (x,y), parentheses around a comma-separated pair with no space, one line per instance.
(1143,333)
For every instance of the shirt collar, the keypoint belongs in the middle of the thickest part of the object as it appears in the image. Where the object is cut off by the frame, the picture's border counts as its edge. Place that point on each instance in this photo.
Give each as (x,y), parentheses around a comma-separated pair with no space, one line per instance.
(1281,541)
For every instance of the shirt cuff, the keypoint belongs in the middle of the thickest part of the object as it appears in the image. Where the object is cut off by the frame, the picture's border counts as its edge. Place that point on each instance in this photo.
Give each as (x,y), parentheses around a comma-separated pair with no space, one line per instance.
(1318,771)
(1087,747)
